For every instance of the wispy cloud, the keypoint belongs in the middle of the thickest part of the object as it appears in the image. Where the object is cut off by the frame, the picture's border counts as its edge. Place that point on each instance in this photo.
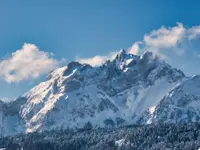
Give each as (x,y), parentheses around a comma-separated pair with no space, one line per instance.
(29,62)
(135,48)
(96,60)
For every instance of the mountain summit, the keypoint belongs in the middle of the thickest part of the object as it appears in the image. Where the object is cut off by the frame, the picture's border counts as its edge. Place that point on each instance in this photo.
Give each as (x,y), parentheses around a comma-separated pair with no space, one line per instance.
(127,90)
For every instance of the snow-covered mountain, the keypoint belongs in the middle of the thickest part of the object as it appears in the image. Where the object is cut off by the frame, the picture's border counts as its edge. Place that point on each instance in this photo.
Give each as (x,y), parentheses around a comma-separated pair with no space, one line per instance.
(129,89)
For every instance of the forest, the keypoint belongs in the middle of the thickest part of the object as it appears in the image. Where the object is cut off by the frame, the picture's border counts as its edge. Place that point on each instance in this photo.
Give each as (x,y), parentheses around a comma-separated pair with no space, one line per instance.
(149,137)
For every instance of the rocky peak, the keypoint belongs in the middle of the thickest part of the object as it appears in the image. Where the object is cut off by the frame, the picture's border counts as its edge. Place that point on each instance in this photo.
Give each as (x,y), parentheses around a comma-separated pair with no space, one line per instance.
(121,55)
(73,64)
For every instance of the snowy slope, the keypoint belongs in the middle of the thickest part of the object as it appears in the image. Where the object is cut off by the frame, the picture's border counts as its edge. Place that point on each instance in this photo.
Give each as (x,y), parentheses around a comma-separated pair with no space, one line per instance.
(115,93)
(181,105)
(10,120)
(66,100)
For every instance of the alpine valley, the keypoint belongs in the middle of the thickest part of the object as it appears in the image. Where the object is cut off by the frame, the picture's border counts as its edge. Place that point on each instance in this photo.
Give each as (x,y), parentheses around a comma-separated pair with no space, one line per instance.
(128,90)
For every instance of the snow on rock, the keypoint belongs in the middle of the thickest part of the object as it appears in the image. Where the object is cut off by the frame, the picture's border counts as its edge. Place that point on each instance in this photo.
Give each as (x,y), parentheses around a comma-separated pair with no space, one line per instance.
(180,105)
(120,142)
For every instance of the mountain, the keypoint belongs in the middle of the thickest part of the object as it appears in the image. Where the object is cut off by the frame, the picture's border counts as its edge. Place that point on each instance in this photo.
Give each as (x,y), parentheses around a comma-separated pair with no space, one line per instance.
(130,89)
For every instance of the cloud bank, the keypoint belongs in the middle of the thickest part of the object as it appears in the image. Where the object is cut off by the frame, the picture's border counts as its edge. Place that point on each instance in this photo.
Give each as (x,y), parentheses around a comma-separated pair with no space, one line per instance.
(29,62)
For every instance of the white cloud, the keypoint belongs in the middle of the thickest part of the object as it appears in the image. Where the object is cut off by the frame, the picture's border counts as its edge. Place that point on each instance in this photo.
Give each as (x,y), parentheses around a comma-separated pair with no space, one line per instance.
(193,32)
(26,63)
(165,39)
(96,60)
(93,61)
(135,48)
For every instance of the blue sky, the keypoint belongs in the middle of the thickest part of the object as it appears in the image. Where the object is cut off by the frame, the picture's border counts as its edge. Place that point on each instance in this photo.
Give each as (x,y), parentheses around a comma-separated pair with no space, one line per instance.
(75,29)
